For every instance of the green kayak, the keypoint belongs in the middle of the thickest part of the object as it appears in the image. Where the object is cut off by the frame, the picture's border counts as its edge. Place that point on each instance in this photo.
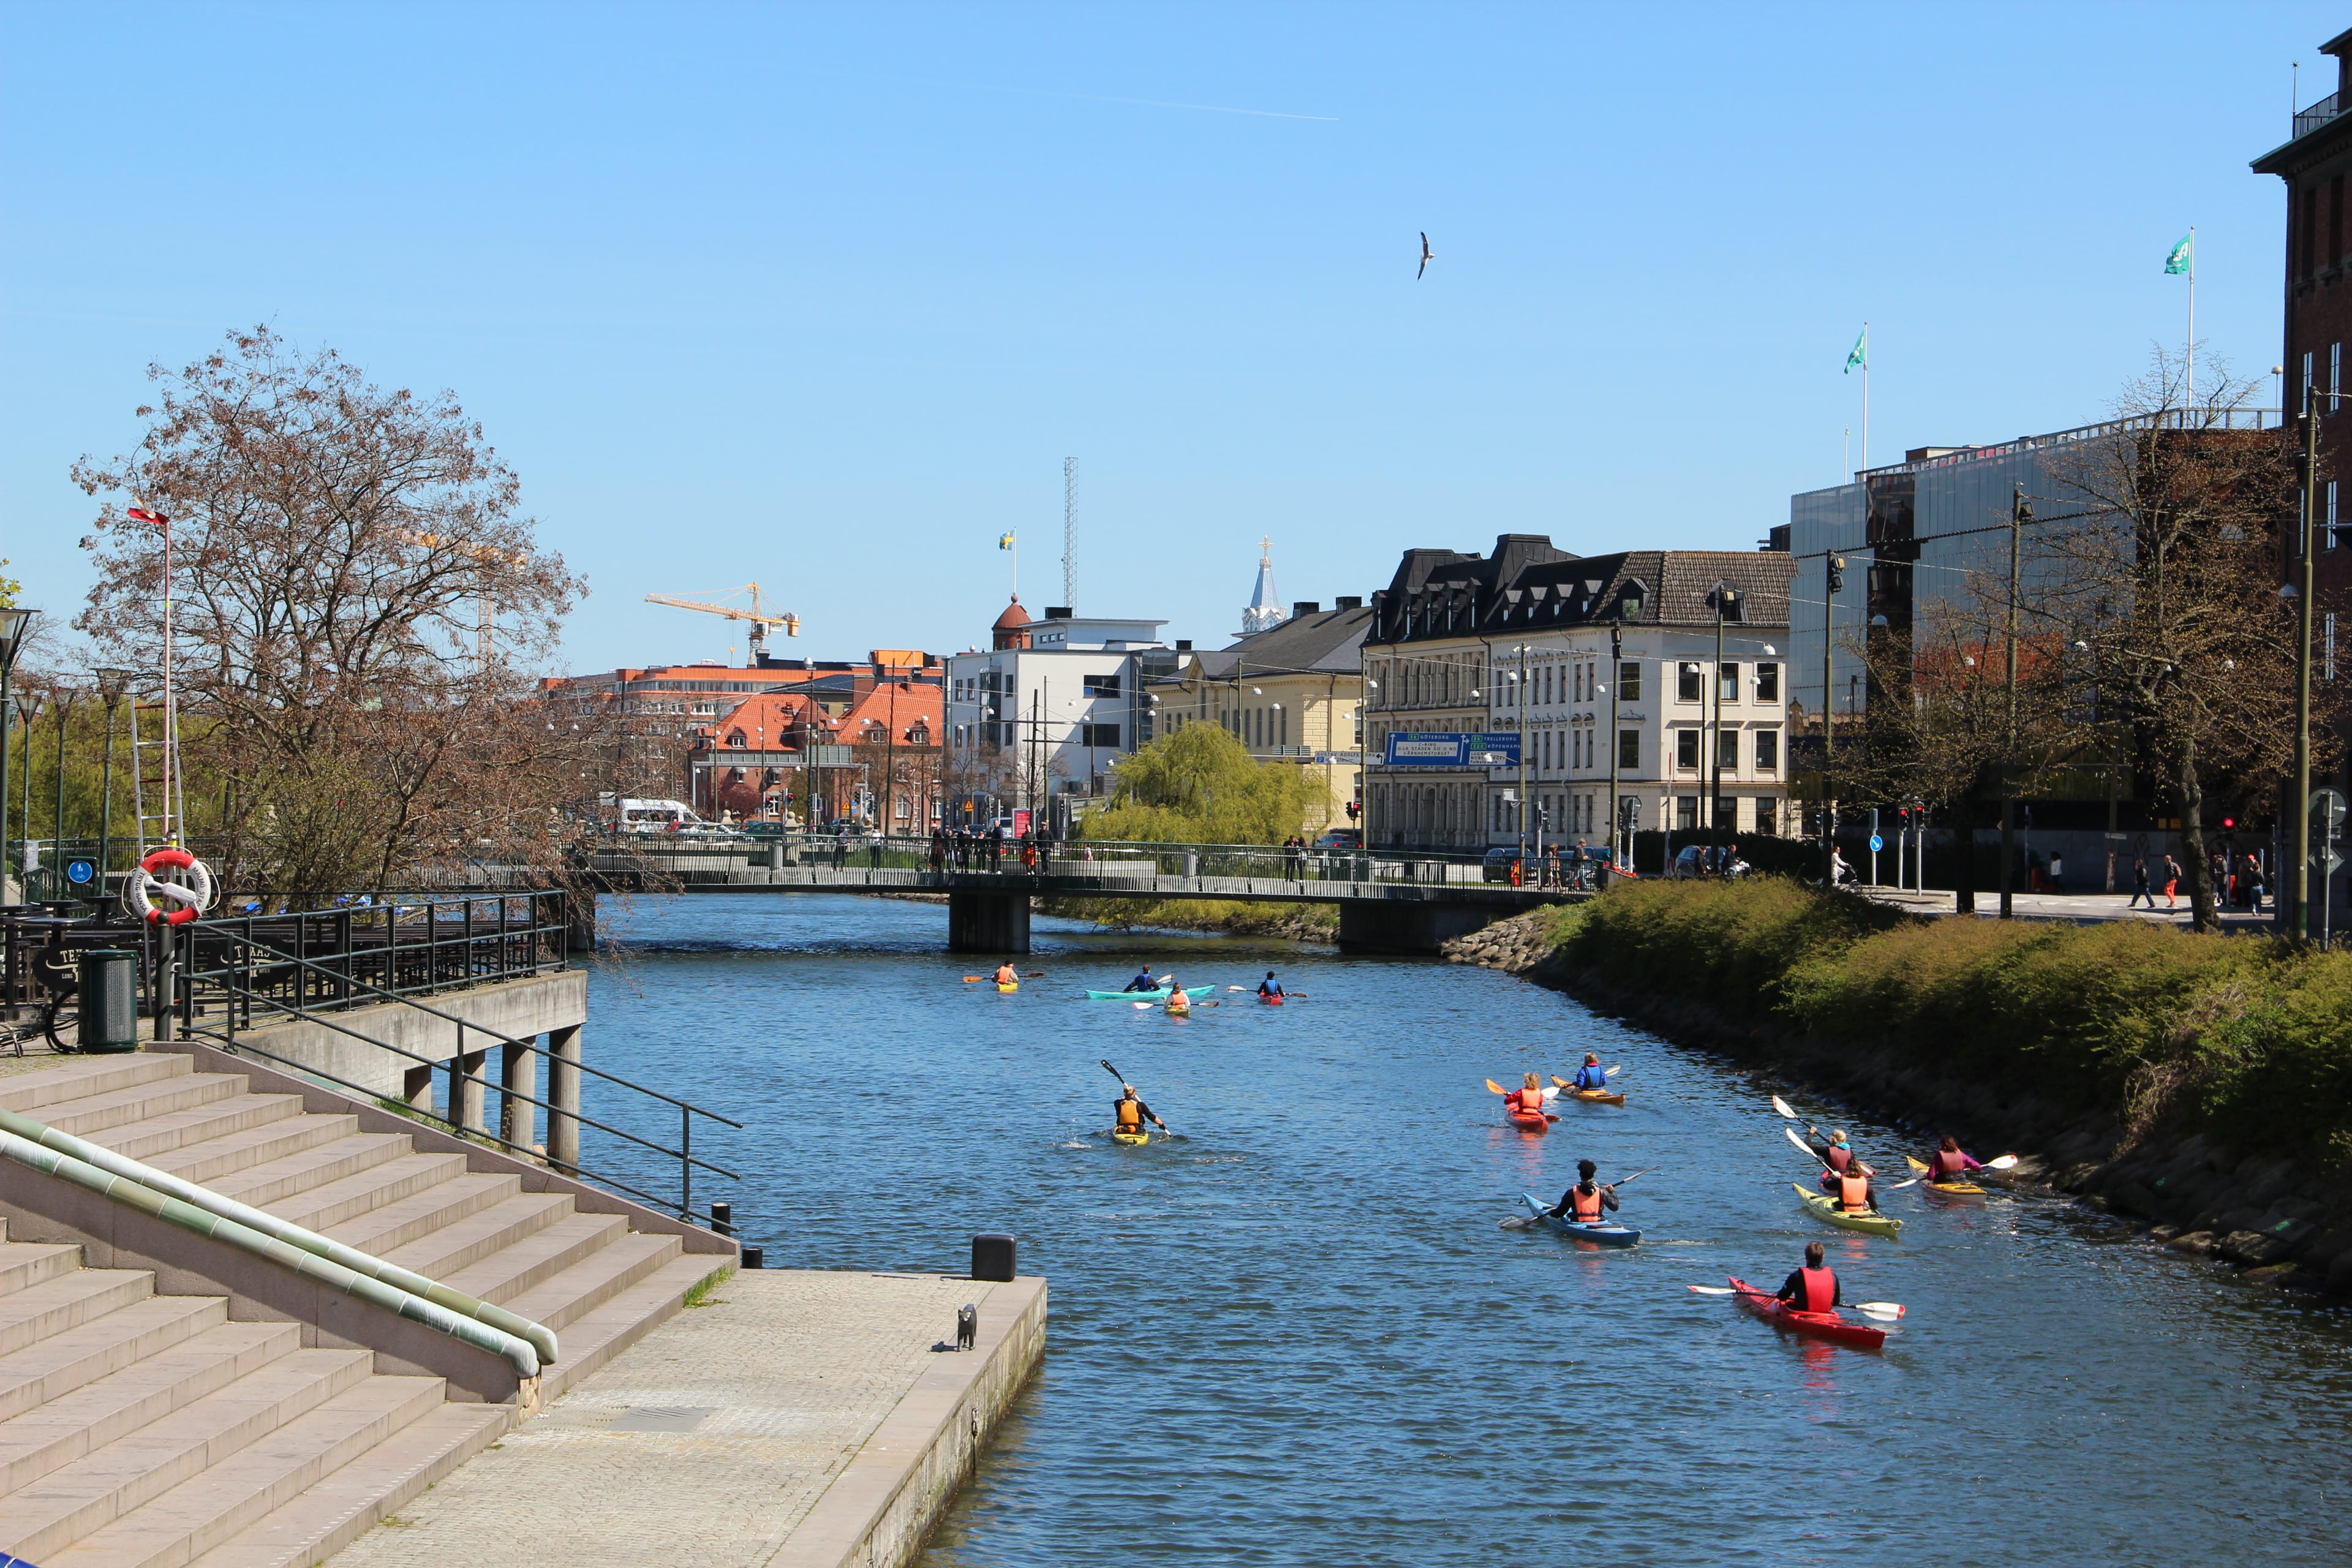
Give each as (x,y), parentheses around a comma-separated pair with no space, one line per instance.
(1826,1208)
(1159,996)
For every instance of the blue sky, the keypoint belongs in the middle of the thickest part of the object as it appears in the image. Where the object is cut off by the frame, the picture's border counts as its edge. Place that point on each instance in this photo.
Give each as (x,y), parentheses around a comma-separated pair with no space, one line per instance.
(823,296)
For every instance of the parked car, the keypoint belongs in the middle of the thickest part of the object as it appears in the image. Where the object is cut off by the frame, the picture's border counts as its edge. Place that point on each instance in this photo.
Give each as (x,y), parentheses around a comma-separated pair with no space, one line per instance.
(1497,868)
(1341,839)
(1690,861)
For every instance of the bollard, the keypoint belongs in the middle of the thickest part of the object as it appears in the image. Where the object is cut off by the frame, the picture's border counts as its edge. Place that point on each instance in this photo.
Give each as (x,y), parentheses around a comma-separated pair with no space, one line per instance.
(755,1257)
(991,1256)
(723,1218)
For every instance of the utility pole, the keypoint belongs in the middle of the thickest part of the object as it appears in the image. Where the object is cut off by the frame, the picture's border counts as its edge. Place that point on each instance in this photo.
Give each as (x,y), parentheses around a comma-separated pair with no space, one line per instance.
(1832,579)
(1724,596)
(2019,515)
(1522,812)
(2298,854)
(1616,679)
(1069,530)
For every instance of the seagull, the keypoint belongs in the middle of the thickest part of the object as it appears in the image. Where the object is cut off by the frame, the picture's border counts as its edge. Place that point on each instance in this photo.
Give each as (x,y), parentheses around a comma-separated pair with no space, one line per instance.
(1425,253)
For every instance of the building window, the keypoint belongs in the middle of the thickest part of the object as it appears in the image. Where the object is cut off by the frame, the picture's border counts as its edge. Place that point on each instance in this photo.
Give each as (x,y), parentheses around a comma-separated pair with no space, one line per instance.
(1629,751)
(1098,735)
(1686,812)
(1687,749)
(1767,683)
(1768,750)
(1687,687)
(1727,750)
(735,738)
(1727,683)
(1629,680)
(1100,685)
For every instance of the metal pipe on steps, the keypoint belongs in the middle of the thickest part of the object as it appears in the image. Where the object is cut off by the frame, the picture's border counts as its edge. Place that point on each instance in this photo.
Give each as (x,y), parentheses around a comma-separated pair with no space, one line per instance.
(385,1292)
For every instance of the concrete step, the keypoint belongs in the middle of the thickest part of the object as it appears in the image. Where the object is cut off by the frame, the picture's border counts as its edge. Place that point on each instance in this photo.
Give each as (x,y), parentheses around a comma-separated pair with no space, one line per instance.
(621,1322)
(195,1126)
(309,1171)
(65,1360)
(94,1116)
(540,1256)
(209,1161)
(402,1218)
(451,1249)
(28,1094)
(24,1264)
(96,1413)
(73,1503)
(595,1279)
(336,1512)
(68,1301)
(241,1488)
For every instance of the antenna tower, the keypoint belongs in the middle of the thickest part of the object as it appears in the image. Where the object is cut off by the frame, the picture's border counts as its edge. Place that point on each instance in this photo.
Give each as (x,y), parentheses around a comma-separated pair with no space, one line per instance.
(1069,530)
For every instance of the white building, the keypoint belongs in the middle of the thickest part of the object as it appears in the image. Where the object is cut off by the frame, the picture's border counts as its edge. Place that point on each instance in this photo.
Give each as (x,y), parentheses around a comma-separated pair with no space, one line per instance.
(1050,705)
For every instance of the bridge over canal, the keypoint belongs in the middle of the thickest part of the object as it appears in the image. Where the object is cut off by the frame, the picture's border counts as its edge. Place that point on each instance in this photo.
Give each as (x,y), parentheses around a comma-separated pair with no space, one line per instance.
(1388,903)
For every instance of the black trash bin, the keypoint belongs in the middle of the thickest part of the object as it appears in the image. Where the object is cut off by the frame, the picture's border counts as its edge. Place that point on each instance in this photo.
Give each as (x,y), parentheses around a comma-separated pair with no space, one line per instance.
(109,1000)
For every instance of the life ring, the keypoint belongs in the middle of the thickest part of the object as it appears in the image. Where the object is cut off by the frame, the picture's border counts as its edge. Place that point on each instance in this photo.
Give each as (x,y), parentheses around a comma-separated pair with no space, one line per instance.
(193,894)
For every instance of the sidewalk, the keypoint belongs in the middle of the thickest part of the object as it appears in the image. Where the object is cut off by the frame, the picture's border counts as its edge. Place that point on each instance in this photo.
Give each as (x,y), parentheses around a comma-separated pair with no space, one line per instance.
(2082,908)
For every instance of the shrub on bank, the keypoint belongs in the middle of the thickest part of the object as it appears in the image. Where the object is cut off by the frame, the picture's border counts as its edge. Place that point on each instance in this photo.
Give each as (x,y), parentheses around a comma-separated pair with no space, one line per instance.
(2247,1039)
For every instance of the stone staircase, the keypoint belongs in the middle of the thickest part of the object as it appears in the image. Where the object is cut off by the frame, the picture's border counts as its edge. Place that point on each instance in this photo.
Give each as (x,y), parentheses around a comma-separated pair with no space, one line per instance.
(147,1430)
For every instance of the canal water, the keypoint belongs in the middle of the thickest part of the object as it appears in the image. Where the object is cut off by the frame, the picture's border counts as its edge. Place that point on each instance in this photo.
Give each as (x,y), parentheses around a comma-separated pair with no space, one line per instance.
(1296,1334)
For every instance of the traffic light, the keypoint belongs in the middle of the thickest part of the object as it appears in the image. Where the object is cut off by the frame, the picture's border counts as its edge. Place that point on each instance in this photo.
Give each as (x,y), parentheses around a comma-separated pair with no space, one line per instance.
(2229,822)
(1837,574)
(1355,809)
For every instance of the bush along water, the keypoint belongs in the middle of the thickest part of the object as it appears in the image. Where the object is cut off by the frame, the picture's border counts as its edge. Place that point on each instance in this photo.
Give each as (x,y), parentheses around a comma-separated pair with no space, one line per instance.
(2200,1080)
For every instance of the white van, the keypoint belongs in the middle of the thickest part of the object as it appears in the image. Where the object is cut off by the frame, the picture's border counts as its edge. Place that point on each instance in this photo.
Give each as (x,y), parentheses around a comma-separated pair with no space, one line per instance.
(659,816)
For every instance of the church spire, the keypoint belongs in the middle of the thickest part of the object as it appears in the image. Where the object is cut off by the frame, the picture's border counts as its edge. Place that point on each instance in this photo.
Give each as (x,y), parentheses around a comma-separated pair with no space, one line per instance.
(1265,610)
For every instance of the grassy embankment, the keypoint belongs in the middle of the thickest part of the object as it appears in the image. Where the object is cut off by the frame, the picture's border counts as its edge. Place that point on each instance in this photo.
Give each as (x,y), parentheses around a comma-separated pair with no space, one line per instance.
(2247,1041)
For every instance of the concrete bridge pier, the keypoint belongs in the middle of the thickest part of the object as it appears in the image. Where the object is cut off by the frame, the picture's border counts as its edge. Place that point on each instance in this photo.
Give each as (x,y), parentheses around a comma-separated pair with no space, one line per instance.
(988,922)
(1383,926)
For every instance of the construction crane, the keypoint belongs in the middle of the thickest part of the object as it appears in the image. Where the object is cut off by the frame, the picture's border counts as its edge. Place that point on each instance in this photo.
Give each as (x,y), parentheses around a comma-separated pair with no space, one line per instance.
(757,616)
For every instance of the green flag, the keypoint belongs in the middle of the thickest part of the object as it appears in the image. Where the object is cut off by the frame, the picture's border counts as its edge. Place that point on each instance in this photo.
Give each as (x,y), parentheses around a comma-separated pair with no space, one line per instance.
(1861,355)
(2183,255)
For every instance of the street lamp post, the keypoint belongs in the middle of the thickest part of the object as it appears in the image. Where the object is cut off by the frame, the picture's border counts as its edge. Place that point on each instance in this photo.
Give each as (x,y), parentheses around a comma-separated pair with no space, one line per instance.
(1616,679)
(2019,515)
(2298,854)
(13,623)
(111,684)
(65,712)
(27,710)
(1724,597)
(1832,579)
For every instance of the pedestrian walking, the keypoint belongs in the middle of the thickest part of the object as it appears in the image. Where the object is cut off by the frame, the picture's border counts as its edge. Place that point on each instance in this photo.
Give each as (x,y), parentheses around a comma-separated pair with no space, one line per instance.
(2139,884)
(2057,872)
(2171,883)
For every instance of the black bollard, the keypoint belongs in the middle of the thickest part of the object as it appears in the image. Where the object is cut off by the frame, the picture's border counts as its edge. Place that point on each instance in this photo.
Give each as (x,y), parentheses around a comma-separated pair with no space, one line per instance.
(991,1256)
(723,1218)
(755,1257)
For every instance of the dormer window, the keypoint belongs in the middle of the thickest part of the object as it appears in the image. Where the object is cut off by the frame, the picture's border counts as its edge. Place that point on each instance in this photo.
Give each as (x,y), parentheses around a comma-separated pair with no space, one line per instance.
(735,739)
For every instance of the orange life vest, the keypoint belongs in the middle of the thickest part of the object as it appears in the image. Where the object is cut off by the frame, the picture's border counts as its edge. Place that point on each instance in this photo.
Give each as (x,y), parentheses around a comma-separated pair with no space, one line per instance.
(1821,1290)
(1853,1192)
(1587,1207)
(1130,1116)
(1838,1156)
(1007,975)
(1530,1100)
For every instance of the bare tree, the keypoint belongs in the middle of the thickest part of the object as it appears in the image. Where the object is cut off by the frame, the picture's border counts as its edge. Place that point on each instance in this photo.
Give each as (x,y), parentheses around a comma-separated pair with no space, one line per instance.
(358,598)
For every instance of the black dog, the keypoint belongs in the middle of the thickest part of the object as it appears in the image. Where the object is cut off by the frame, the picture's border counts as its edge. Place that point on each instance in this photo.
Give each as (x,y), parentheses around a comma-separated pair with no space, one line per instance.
(967,1327)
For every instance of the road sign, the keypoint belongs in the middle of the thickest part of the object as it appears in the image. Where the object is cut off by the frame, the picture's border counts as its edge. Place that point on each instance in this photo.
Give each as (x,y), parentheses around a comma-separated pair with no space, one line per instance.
(2329,861)
(80,871)
(2328,806)
(1876,844)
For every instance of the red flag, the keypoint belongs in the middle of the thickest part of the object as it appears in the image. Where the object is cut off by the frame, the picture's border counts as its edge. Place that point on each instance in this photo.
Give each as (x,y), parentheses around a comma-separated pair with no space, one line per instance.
(140,515)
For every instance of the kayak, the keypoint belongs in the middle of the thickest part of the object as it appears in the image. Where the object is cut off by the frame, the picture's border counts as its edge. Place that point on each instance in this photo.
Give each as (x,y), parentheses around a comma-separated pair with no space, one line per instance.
(1132,1139)
(1956,1189)
(1008,986)
(1826,1207)
(1596,1096)
(1158,996)
(1606,1234)
(1529,1120)
(1270,1000)
(1816,1325)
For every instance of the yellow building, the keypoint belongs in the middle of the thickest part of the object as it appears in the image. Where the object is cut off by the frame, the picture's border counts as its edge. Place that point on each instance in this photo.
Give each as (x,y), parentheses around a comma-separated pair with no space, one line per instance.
(1292,693)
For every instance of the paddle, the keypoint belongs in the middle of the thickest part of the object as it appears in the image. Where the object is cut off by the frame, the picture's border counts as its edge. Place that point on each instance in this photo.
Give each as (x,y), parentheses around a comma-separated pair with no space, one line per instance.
(1521,1222)
(1570,1083)
(1998,1163)
(1122,1083)
(1886,1311)
(1031,974)
(1782,1107)
(1824,1164)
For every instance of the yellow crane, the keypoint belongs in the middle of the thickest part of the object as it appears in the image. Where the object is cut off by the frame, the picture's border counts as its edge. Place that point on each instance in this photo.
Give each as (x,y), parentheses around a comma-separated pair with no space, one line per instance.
(758,615)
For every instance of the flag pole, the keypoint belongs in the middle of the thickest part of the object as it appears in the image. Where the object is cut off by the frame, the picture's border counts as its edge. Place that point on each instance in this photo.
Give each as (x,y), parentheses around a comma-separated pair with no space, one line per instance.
(2192,315)
(1865,394)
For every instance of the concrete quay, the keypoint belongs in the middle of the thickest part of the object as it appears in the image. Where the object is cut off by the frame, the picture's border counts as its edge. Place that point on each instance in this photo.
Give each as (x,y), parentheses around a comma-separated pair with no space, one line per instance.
(794,1419)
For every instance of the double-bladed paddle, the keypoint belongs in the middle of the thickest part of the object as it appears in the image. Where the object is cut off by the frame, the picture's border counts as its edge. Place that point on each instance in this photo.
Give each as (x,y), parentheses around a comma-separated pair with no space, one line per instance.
(1122,1083)
(1521,1222)
(1791,1134)
(1885,1311)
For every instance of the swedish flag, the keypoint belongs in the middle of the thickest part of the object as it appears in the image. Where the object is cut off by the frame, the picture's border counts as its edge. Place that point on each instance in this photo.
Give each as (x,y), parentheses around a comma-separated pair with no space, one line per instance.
(1004,542)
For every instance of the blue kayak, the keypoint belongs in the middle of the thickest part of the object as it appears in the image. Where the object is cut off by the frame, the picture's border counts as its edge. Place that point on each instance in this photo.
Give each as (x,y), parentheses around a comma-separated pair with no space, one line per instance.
(1606,1234)
(1158,996)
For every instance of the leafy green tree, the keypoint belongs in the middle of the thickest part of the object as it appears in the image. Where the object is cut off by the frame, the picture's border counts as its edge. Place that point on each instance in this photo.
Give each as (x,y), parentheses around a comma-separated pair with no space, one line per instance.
(1200,785)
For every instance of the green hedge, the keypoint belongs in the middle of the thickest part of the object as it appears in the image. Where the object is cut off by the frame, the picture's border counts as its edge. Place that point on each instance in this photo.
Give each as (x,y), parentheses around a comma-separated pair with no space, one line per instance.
(2247,1040)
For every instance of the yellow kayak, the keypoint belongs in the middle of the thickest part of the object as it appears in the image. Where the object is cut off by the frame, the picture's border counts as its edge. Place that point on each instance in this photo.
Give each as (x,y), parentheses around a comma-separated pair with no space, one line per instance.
(1008,986)
(1132,1139)
(1597,1096)
(1957,1189)
(1826,1207)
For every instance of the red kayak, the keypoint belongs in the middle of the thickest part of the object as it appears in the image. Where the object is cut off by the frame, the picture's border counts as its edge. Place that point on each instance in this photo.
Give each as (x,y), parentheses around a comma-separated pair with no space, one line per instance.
(1820,1325)
(1529,1120)
(1274,1001)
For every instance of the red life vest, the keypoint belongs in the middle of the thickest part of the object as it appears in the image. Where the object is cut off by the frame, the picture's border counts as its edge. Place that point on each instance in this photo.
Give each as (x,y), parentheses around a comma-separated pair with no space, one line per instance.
(1530,1100)
(1947,1166)
(1819,1293)
(1838,1156)
(1588,1208)
(1853,1192)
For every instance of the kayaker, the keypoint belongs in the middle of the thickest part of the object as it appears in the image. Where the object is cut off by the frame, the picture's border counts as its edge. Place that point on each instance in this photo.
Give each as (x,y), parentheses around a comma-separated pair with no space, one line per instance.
(1950,1162)
(1814,1288)
(1006,975)
(1591,1075)
(1852,1190)
(1131,1113)
(1178,1000)
(1143,981)
(1584,1202)
(1528,1101)
(1837,1154)
(1269,986)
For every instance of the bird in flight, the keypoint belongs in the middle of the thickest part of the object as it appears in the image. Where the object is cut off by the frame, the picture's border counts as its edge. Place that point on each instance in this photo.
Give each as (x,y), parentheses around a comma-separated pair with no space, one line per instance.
(1425,253)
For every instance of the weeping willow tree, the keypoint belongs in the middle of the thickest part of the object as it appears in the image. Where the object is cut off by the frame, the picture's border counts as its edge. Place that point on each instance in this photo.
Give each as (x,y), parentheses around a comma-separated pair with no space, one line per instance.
(1200,785)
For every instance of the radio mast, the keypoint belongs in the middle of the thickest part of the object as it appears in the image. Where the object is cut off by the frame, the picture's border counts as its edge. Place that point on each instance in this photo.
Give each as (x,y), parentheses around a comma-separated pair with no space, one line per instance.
(1069,530)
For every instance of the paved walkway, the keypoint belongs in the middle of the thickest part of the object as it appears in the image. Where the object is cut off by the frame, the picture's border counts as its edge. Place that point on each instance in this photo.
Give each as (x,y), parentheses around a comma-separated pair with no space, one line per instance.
(2081,908)
(702,1445)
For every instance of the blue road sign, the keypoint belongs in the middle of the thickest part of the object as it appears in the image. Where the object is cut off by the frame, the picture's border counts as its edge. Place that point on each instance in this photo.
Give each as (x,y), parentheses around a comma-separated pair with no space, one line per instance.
(1876,844)
(80,871)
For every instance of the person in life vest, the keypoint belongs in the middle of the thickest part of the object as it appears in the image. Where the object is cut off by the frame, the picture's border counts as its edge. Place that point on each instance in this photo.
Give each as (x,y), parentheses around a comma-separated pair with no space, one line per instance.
(1852,1190)
(1950,1162)
(1836,1157)
(1269,986)
(1129,1113)
(1527,1101)
(1178,1000)
(1814,1288)
(1585,1202)
(1006,975)
(1143,981)
(1591,1075)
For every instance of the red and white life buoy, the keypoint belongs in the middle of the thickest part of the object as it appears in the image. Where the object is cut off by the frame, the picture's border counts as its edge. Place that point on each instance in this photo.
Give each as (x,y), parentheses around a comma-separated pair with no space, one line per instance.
(191,895)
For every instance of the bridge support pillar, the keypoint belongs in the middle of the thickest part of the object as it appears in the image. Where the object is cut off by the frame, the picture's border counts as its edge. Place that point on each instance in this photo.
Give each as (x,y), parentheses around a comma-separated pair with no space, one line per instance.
(988,922)
(1368,925)
(563,1098)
